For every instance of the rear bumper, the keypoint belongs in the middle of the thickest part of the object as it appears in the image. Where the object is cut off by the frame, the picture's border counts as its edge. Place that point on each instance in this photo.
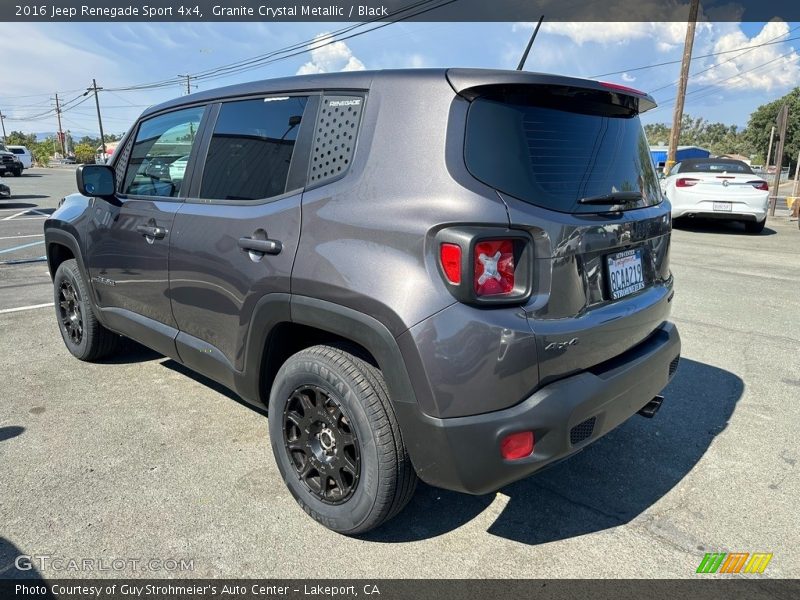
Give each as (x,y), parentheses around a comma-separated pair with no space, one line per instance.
(751,209)
(463,453)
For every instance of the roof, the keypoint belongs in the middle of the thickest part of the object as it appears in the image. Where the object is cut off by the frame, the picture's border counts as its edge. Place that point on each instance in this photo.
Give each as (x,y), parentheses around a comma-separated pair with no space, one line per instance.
(459,79)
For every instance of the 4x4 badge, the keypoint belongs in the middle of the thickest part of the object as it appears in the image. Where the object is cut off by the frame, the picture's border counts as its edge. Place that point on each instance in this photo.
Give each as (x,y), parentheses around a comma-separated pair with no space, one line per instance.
(561,345)
(103,280)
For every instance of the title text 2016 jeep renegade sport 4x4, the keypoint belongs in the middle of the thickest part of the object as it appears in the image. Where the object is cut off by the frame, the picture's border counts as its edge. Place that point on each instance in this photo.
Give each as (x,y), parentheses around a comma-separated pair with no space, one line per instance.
(457,275)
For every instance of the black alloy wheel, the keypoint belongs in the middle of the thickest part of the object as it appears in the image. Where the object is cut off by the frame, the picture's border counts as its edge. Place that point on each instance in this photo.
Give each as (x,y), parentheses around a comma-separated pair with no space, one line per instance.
(321,444)
(69,309)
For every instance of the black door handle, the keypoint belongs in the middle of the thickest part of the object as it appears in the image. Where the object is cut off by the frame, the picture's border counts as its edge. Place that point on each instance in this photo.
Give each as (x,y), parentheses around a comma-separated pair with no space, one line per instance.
(151,231)
(262,246)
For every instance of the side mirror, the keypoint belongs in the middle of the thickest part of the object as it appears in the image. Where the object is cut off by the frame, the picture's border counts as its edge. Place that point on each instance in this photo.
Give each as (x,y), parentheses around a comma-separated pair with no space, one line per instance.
(96,180)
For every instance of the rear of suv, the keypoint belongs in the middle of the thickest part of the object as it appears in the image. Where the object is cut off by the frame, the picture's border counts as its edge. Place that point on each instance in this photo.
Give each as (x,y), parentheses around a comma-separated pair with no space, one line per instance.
(455,275)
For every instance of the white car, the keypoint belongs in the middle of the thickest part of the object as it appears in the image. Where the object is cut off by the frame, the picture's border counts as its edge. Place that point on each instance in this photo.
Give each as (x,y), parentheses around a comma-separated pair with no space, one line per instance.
(718,188)
(23,154)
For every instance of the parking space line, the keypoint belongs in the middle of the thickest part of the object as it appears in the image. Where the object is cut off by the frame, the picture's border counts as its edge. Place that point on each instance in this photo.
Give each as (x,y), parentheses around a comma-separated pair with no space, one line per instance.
(20,247)
(31,307)
(19,237)
(22,261)
(9,217)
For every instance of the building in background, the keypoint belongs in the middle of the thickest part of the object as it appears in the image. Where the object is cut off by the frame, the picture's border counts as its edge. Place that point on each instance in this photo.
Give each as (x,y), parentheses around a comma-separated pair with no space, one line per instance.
(659,154)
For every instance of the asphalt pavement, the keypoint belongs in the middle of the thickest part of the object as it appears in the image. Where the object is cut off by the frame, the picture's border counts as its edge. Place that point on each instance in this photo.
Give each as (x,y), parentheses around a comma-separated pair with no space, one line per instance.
(137,458)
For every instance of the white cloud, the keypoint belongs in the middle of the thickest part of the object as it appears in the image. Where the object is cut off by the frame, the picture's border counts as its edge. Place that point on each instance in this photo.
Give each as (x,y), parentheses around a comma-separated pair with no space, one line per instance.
(628,78)
(666,35)
(329,58)
(744,71)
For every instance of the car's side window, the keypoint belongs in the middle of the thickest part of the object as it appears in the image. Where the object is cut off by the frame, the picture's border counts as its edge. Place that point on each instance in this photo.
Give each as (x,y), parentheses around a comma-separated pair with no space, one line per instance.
(160,153)
(251,148)
(675,168)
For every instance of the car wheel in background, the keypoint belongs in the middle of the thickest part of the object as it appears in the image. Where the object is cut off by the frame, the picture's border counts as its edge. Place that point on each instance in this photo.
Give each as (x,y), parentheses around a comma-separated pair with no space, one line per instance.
(83,335)
(337,442)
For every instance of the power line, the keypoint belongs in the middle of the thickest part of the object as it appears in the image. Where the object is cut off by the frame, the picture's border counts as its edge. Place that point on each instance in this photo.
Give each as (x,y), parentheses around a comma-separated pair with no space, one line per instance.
(664,87)
(675,62)
(667,103)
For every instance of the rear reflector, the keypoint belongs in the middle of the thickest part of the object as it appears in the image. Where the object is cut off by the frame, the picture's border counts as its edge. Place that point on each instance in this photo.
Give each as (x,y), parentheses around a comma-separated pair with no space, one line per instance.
(517,445)
(450,256)
(760,185)
(686,182)
(493,267)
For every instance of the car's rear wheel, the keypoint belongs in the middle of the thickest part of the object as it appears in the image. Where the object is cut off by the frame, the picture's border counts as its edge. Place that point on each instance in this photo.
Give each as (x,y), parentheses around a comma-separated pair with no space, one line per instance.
(83,335)
(337,442)
(754,226)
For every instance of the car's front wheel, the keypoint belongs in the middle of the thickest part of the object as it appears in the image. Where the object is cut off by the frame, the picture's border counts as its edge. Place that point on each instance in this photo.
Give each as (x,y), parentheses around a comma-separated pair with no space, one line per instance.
(337,442)
(83,335)
(754,226)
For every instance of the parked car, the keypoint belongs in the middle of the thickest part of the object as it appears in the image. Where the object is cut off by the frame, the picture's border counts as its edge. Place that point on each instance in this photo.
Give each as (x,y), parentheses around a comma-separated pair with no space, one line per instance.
(5,190)
(9,163)
(23,155)
(718,188)
(401,265)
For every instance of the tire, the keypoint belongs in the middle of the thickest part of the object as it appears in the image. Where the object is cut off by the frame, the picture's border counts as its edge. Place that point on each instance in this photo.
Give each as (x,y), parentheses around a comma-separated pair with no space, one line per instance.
(754,226)
(355,438)
(17,172)
(83,335)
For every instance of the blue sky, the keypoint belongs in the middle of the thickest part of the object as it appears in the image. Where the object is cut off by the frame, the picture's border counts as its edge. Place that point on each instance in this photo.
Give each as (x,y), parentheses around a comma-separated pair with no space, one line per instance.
(66,56)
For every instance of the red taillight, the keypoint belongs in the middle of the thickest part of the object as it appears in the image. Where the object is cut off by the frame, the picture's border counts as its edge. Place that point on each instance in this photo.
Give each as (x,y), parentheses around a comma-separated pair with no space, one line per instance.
(760,185)
(450,255)
(686,182)
(517,445)
(493,267)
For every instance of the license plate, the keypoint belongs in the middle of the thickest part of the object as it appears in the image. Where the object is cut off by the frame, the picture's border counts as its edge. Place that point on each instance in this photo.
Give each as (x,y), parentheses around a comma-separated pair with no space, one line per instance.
(723,206)
(625,274)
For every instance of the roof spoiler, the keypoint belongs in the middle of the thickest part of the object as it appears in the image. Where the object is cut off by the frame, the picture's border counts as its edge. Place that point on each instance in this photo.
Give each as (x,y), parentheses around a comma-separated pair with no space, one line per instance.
(469,83)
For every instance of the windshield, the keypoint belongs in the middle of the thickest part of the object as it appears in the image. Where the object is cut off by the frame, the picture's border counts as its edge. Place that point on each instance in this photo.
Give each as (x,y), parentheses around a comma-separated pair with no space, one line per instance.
(553,157)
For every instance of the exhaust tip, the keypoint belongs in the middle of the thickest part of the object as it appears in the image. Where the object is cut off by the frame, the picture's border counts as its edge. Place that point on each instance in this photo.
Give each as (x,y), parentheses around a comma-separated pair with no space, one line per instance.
(650,409)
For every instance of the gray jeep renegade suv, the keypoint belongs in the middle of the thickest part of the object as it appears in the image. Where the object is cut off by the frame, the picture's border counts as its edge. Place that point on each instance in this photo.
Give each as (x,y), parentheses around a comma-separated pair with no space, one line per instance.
(457,275)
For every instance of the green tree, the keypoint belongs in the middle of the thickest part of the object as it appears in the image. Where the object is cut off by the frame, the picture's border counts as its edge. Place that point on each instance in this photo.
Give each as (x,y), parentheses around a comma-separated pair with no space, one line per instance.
(17,138)
(717,138)
(765,116)
(84,153)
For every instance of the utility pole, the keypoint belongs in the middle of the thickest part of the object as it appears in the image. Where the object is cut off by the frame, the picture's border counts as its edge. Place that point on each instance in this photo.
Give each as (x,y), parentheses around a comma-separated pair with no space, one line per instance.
(60,132)
(3,123)
(677,115)
(188,83)
(769,150)
(96,89)
(783,118)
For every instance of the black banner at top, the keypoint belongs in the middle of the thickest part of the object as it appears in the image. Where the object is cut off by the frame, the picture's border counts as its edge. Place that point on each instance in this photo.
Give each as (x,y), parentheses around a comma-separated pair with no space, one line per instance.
(394,10)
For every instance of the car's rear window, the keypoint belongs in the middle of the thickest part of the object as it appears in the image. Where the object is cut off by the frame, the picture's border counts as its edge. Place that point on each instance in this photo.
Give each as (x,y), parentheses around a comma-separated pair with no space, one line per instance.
(714,166)
(552,156)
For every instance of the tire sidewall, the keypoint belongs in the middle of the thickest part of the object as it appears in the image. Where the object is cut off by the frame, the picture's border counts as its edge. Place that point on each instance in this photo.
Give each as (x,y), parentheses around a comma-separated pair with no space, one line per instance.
(348,516)
(66,272)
